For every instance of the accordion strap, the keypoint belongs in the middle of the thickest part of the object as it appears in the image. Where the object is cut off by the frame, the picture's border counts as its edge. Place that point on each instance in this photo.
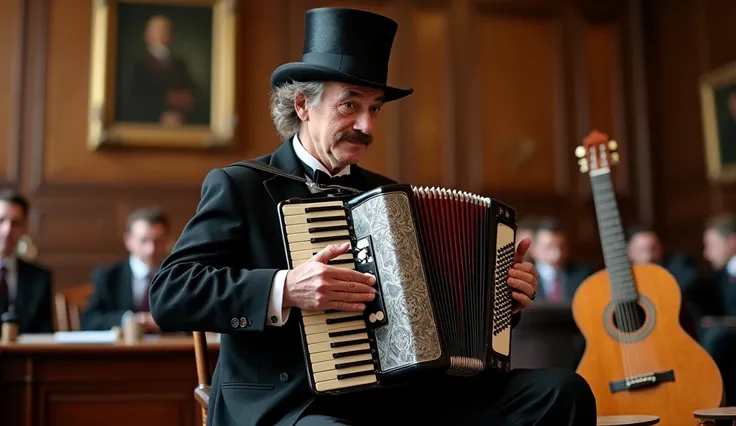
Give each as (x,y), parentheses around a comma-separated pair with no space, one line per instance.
(276,171)
(270,169)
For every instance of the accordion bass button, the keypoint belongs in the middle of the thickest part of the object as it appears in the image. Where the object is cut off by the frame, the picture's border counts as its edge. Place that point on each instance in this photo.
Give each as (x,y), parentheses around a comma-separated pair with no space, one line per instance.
(380,316)
(372,318)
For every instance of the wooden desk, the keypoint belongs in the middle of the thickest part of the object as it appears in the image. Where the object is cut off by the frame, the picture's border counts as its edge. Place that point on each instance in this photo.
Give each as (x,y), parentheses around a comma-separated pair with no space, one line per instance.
(149,383)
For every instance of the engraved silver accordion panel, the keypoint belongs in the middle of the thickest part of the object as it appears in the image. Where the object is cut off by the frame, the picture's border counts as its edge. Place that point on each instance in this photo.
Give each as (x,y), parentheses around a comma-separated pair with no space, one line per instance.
(441,261)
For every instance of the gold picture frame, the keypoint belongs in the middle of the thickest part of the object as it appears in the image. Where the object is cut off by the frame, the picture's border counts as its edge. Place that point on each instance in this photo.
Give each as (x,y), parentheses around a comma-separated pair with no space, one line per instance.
(718,108)
(181,98)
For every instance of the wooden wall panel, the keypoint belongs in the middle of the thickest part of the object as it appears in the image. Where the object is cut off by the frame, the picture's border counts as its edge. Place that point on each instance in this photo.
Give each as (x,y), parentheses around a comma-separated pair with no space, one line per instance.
(66,107)
(11,53)
(429,142)
(521,95)
(503,93)
(676,60)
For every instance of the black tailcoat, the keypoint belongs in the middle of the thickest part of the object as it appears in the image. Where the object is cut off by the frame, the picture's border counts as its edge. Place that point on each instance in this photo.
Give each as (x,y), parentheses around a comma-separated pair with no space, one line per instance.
(218,278)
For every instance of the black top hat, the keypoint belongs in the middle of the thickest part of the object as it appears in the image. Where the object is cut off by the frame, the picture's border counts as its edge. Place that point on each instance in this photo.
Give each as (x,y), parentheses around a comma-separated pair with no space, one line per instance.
(346,45)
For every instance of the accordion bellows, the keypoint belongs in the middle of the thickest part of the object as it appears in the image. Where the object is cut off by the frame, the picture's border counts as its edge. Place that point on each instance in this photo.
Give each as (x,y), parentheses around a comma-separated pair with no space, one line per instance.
(441,261)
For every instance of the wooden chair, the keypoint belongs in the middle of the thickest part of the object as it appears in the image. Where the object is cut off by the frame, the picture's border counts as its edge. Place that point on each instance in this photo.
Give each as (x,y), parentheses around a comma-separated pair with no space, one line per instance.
(710,416)
(633,420)
(69,305)
(204,376)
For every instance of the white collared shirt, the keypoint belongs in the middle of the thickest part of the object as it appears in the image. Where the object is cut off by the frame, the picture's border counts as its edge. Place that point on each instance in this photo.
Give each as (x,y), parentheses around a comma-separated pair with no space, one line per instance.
(11,276)
(548,275)
(159,52)
(139,282)
(731,267)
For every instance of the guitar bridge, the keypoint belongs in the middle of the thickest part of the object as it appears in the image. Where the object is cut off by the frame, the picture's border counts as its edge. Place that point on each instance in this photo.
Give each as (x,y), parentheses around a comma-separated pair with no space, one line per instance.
(642,381)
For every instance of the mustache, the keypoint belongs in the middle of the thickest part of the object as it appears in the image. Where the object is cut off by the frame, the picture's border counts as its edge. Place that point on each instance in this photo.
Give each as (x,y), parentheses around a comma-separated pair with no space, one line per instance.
(354,136)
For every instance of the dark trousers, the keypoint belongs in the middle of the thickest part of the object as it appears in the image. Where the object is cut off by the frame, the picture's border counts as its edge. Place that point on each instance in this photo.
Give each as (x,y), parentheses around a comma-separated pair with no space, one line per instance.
(520,398)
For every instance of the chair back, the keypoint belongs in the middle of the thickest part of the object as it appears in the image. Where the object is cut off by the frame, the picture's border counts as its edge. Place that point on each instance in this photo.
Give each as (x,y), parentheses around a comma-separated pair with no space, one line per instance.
(69,305)
(547,337)
(204,375)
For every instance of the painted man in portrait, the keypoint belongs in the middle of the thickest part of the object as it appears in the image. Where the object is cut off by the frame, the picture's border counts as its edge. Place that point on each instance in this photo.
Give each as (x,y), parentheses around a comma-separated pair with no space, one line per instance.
(161,87)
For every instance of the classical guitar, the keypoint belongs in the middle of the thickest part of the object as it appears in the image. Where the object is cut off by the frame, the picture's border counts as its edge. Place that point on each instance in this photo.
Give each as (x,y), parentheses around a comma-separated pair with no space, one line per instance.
(638,358)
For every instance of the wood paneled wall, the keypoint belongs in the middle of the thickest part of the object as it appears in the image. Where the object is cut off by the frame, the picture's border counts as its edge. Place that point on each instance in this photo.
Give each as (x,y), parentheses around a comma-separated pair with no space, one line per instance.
(505,90)
(685,39)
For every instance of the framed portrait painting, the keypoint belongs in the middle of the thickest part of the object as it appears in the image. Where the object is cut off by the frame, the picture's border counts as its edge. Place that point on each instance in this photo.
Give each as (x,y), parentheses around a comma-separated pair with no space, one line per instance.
(718,105)
(162,73)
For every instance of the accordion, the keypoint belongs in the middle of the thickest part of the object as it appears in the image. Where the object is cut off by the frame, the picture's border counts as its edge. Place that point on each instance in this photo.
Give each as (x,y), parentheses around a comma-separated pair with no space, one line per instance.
(441,260)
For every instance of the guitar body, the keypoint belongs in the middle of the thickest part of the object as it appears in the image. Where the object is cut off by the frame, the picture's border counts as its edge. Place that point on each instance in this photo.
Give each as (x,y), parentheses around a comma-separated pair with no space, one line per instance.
(660,345)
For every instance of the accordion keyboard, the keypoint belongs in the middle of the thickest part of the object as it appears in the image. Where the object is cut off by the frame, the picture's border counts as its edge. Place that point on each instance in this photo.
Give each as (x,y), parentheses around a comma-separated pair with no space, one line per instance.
(310,227)
(338,343)
(339,349)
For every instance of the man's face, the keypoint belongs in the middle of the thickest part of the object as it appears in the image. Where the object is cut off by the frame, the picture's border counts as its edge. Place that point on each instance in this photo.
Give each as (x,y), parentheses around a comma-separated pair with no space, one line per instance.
(158,32)
(718,250)
(148,242)
(550,247)
(645,248)
(340,128)
(12,227)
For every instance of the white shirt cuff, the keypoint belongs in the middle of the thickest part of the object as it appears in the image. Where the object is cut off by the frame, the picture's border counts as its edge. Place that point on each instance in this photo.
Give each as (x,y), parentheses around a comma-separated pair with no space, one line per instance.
(277,316)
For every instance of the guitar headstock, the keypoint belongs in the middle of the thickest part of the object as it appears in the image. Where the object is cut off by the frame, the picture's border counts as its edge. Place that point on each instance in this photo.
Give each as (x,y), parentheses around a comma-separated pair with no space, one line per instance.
(598,151)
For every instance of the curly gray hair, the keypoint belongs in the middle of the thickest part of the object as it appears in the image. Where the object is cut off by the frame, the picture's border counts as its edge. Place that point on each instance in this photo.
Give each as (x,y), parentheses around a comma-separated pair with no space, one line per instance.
(282,105)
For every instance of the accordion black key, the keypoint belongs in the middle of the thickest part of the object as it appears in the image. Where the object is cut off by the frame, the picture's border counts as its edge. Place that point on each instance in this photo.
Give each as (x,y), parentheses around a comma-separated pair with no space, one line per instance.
(441,260)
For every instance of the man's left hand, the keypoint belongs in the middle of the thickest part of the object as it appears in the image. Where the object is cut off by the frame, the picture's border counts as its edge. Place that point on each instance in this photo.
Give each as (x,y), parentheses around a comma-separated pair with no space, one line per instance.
(523,277)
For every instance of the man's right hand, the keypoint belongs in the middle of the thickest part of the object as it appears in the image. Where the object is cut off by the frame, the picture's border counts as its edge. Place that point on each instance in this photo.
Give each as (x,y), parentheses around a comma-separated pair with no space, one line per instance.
(316,286)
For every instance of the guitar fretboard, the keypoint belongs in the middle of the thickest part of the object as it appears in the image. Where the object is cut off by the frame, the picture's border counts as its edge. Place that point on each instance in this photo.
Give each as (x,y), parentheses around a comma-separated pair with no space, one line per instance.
(612,236)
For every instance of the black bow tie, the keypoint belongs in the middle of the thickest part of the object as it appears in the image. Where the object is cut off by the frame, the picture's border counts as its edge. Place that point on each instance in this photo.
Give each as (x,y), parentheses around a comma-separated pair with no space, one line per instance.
(323,178)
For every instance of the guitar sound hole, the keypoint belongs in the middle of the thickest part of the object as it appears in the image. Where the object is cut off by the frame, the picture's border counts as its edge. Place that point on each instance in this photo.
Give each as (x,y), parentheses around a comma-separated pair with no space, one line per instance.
(629,317)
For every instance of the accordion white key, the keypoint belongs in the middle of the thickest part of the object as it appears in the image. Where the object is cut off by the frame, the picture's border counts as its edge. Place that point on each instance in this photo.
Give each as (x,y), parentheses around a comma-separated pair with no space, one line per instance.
(441,260)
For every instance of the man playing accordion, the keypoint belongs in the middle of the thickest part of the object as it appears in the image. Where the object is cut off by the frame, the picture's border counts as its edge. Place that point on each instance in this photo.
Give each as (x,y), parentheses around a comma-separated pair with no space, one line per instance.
(228,272)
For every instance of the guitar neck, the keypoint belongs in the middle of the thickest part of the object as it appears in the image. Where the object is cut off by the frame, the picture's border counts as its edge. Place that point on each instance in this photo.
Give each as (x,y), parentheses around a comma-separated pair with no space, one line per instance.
(612,237)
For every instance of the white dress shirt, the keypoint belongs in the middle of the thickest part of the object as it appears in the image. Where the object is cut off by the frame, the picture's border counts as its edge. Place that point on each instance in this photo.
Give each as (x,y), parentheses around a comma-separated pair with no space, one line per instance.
(731,267)
(139,284)
(140,279)
(11,276)
(277,316)
(547,275)
(159,52)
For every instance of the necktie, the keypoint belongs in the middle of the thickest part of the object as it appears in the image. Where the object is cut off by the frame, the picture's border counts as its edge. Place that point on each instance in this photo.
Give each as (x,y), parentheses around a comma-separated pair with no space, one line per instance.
(145,304)
(4,291)
(556,293)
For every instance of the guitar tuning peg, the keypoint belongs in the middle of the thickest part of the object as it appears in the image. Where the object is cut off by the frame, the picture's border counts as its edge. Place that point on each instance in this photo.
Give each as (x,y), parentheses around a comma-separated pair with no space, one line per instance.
(580,152)
(612,145)
(583,163)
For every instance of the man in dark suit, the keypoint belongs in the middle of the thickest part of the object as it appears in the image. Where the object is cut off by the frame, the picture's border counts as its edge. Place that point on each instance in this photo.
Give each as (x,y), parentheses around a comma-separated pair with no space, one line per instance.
(559,277)
(715,299)
(25,286)
(228,272)
(644,246)
(121,289)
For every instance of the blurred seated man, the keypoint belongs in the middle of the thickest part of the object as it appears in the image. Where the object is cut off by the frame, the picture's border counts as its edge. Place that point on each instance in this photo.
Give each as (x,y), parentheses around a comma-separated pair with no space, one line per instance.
(558,276)
(715,297)
(24,285)
(645,247)
(121,289)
